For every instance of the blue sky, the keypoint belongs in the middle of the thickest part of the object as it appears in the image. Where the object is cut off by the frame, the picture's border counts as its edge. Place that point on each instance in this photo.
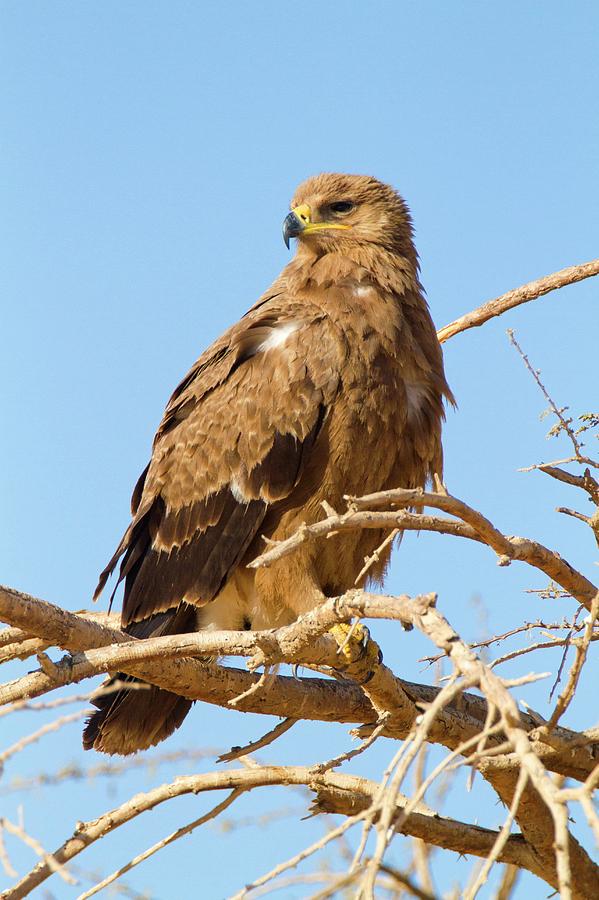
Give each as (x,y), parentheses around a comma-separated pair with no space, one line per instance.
(148,154)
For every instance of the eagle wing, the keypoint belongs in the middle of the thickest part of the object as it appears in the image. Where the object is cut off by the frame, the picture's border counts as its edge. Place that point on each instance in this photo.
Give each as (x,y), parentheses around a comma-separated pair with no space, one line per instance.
(233,441)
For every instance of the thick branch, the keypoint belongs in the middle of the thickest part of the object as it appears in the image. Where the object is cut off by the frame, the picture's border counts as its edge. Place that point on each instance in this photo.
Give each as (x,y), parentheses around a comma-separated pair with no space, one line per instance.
(317,699)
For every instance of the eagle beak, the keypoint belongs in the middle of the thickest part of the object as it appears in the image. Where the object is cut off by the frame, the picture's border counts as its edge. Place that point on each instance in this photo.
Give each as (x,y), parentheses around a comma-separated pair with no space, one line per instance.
(296,222)
(299,221)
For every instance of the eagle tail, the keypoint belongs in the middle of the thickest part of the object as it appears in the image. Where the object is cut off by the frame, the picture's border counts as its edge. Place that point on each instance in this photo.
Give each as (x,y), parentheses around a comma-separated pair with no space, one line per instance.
(135,715)
(133,718)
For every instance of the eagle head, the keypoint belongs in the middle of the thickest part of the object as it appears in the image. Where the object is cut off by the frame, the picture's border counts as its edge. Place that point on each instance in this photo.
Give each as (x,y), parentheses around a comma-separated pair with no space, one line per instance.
(334,212)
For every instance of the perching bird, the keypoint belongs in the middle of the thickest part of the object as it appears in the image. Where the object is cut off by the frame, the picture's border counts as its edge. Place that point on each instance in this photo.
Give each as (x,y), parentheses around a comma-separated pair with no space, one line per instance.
(331,384)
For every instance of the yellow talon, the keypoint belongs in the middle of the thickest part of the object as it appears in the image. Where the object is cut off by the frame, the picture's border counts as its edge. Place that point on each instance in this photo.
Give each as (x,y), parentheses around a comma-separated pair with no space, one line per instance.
(355,643)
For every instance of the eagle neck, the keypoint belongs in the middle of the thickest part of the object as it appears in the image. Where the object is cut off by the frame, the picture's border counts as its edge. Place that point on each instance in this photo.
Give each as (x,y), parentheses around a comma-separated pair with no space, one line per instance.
(368,265)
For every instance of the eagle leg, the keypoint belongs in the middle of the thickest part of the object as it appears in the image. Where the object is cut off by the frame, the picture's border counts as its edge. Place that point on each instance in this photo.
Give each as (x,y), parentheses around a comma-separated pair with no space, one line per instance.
(356,646)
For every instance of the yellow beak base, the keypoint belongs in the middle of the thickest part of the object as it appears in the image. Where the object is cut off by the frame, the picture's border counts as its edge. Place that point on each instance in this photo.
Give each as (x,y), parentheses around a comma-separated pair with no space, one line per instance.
(299,222)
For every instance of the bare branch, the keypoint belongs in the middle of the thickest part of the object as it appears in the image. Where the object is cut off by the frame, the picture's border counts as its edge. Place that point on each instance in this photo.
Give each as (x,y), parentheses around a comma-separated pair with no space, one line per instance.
(421,823)
(585,482)
(179,833)
(565,424)
(563,852)
(530,291)
(507,548)
(365,512)
(4,857)
(49,861)
(501,837)
(75,772)
(319,699)
(565,698)
(266,739)
(508,883)
(21,649)
(40,733)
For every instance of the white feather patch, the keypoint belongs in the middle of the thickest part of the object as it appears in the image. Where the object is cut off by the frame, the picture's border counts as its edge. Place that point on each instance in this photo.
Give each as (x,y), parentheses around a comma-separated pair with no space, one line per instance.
(278,336)
(235,489)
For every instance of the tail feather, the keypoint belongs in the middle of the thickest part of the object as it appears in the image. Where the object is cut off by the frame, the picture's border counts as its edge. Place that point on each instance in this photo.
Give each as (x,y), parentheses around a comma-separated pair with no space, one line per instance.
(133,719)
(137,715)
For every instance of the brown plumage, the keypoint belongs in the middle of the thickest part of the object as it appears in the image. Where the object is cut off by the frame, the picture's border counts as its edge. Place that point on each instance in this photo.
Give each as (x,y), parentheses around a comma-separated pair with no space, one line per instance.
(331,384)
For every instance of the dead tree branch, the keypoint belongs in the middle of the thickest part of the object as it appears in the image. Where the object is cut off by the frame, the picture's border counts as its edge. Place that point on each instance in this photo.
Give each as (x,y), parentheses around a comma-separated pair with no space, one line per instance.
(370,512)
(530,291)
(334,789)
(563,751)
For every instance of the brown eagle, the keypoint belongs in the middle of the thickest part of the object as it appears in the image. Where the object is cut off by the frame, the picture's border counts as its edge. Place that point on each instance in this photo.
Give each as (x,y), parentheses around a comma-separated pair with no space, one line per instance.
(331,384)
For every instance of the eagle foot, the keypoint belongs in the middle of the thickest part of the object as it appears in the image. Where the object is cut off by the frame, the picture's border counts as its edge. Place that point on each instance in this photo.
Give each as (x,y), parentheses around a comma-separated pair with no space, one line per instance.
(358,649)
(353,640)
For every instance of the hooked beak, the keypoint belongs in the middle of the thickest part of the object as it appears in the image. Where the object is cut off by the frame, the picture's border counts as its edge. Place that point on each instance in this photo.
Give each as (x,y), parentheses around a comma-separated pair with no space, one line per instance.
(295,222)
(299,221)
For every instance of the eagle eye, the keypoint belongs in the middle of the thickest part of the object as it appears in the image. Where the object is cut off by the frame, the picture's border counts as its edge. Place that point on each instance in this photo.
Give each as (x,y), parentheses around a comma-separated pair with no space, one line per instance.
(342,206)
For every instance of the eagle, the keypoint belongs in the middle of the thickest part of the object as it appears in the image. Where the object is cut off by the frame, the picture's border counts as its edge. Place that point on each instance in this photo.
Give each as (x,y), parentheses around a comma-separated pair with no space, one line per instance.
(332,384)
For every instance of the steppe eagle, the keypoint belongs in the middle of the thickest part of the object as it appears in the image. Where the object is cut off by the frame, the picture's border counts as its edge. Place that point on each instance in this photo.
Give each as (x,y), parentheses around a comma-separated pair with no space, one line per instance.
(331,384)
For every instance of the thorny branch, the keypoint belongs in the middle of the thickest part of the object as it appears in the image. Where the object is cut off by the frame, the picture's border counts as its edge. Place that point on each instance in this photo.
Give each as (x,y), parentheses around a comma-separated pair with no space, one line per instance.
(564,423)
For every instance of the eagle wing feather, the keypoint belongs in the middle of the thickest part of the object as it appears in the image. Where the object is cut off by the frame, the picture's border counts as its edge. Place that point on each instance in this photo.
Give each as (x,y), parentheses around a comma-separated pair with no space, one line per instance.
(232,442)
